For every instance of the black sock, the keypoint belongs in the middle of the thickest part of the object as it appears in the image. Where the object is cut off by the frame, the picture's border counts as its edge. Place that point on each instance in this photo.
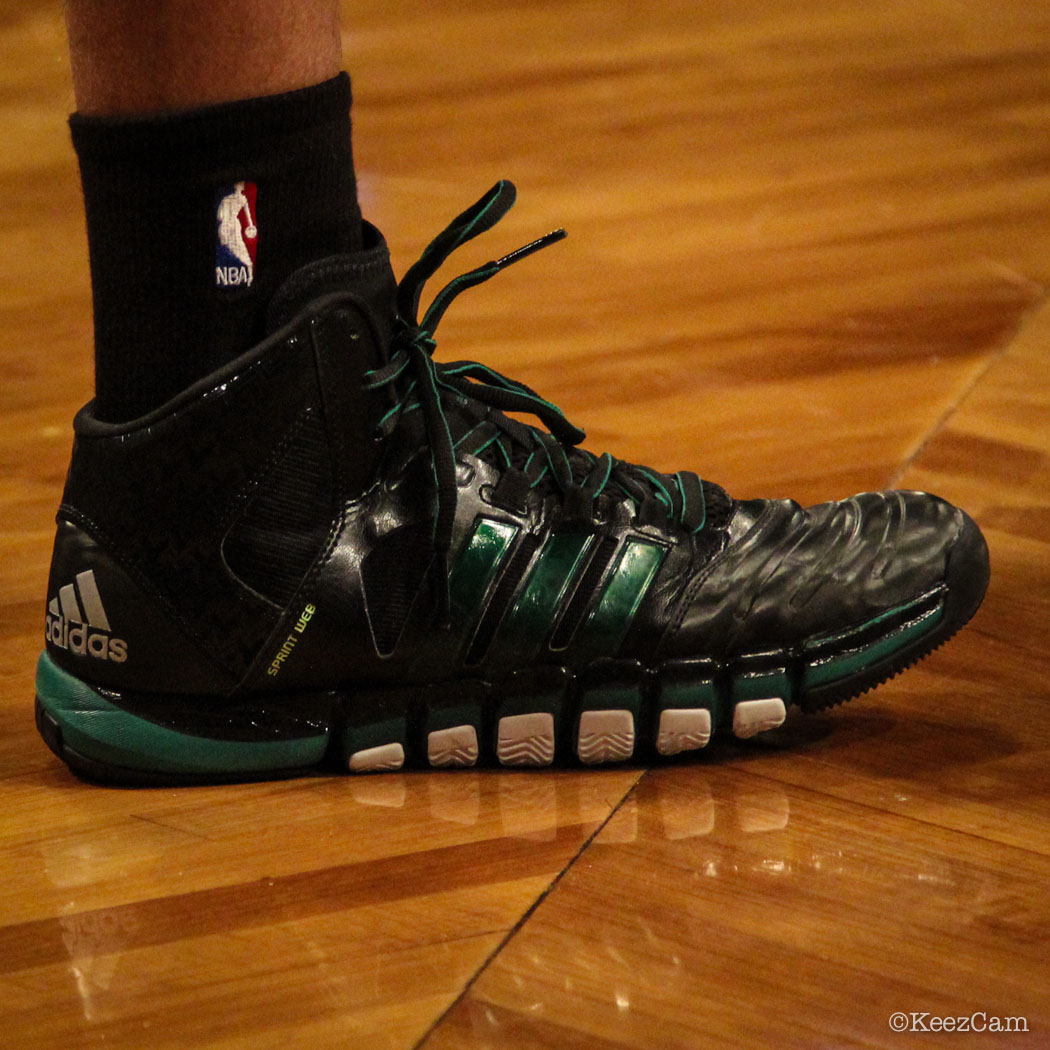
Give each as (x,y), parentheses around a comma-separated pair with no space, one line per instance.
(194,219)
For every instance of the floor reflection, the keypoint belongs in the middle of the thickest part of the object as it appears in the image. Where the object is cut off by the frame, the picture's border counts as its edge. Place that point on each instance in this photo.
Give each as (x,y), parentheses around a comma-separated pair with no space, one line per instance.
(703,867)
(94,941)
(388,790)
(679,848)
(674,815)
(517,805)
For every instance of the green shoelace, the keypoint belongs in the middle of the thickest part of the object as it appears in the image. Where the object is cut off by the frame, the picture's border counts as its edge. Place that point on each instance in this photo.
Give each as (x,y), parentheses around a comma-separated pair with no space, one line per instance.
(537,456)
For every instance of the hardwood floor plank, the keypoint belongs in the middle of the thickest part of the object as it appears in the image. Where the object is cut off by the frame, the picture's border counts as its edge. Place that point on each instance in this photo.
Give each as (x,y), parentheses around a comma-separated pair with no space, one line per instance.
(807,255)
(744,913)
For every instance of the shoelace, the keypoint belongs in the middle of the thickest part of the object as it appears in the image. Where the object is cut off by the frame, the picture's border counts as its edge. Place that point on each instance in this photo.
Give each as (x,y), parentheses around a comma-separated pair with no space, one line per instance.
(431,386)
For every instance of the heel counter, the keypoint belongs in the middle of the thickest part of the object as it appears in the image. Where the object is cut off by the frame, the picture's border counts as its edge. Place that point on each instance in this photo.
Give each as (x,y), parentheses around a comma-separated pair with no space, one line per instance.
(101,626)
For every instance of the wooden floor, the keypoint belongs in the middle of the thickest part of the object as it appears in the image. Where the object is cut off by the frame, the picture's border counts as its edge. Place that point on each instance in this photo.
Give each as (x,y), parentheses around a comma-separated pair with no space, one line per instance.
(809,254)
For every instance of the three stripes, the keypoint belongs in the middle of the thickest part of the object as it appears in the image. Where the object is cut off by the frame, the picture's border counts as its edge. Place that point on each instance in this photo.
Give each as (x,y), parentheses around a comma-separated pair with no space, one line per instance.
(66,605)
(575,591)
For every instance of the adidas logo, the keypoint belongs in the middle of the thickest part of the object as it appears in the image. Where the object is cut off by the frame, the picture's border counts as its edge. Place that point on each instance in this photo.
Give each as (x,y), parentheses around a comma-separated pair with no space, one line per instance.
(77,621)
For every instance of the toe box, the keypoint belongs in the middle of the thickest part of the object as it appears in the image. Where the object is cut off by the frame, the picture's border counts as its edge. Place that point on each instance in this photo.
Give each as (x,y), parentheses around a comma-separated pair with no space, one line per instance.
(789,573)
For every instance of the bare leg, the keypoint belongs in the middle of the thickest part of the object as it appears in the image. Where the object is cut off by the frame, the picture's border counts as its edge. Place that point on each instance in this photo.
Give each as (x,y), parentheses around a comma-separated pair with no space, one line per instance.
(148,56)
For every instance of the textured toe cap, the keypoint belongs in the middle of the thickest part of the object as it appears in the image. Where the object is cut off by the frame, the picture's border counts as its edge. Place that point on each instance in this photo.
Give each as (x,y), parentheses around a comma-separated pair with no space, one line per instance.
(789,573)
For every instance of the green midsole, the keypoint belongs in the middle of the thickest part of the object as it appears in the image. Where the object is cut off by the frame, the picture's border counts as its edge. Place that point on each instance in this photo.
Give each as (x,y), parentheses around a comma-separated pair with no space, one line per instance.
(98,729)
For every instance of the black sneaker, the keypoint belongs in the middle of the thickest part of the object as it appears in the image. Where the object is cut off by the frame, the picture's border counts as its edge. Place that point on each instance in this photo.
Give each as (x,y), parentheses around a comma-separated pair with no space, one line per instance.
(338,552)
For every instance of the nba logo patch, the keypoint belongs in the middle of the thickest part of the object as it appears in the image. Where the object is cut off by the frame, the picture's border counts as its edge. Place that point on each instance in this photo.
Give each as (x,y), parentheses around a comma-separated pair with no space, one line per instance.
(236,235)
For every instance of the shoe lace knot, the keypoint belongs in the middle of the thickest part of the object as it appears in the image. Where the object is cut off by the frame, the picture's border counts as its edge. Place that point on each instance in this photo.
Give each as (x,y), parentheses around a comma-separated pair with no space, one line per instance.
(537,456)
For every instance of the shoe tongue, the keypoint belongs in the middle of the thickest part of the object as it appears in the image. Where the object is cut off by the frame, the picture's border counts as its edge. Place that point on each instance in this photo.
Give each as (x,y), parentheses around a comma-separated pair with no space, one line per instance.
(367,274)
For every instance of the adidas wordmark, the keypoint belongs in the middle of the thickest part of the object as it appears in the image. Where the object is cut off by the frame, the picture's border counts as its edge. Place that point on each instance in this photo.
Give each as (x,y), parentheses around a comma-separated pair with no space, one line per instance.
(77,621)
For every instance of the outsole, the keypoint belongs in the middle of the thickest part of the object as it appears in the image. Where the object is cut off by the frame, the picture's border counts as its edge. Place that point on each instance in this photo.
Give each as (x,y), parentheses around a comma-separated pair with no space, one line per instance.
(613,711)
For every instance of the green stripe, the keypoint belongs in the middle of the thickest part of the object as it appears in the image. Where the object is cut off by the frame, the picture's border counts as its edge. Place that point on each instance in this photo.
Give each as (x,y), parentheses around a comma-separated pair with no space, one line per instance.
(898,612)
(836,667)
(476,567)
(604,630)
(533,616)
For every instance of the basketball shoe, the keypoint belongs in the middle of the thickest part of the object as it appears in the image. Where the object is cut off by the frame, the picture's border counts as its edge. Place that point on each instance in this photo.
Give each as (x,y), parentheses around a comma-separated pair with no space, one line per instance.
(340,553)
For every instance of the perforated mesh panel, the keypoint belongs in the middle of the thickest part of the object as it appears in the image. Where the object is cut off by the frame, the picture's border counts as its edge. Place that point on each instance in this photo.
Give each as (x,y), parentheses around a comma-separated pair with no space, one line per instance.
(286,520)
